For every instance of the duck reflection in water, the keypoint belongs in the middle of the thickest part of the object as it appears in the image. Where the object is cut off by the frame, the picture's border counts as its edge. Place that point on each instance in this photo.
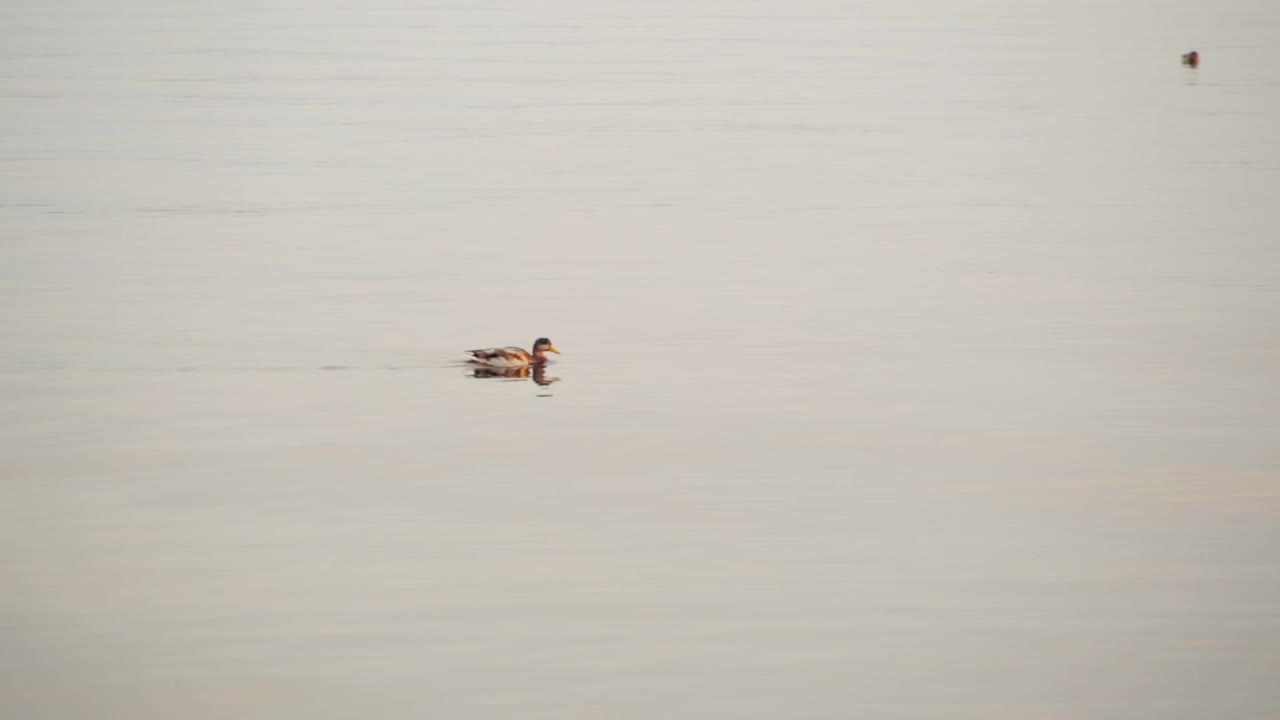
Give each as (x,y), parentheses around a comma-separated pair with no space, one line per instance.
(537,373)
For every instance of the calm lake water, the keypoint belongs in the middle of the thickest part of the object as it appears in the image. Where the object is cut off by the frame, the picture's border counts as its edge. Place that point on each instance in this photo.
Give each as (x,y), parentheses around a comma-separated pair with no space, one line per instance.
(921,360)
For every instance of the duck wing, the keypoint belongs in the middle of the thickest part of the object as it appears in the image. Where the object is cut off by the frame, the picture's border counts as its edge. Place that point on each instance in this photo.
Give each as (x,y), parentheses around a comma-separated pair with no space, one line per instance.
(501,357)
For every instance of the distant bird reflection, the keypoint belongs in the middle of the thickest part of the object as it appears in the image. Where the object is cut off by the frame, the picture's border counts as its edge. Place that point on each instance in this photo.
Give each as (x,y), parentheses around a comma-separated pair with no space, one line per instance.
(537,373)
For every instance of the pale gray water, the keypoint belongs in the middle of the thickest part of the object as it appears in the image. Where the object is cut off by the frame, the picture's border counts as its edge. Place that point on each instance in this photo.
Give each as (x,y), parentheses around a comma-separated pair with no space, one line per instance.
(922,360)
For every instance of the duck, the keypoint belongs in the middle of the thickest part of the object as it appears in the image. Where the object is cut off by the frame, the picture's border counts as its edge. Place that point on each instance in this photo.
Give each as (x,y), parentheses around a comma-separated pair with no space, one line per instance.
(514,357)
(1191,59)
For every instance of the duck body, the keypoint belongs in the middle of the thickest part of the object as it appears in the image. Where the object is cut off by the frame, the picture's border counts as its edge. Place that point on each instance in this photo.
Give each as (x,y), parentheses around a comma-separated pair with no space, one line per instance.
(513,357)
(1191,59)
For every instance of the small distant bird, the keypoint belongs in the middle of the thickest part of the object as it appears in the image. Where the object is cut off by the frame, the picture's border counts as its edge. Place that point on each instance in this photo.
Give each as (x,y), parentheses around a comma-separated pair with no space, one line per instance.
(1191,59)
(514,357)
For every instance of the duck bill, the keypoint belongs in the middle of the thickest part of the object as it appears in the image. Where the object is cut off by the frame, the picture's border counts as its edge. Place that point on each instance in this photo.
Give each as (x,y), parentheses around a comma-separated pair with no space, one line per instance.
(552,348)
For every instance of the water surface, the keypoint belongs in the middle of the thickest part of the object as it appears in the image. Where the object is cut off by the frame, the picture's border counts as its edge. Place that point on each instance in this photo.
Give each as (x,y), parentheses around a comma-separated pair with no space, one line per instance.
(921,360)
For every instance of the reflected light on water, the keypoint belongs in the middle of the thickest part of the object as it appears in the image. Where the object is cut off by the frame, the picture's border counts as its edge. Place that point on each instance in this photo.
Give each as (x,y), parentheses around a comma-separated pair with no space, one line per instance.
(536,373)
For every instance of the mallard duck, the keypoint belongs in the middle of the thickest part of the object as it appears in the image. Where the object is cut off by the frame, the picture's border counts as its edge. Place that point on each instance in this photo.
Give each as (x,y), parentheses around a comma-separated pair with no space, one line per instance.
(514,357)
